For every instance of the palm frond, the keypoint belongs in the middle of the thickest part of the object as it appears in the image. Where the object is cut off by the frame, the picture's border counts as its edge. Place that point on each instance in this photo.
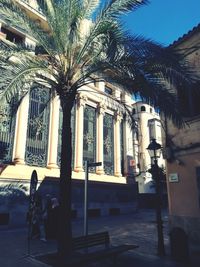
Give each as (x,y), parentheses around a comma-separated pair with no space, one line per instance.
(89,7)
(15,17)
(116,8)
(18,69)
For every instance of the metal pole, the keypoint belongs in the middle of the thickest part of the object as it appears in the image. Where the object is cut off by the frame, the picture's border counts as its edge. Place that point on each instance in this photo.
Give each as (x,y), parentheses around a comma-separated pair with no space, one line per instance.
(86,200)
(161,247)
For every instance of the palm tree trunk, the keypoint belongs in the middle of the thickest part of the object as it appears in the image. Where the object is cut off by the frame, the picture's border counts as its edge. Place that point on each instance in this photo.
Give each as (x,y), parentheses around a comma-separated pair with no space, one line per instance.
(65,229)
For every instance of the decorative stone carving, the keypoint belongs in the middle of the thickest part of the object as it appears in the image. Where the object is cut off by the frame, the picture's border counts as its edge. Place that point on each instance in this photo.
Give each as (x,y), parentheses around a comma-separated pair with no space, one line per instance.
(81,100)
(118,116)
(101,108)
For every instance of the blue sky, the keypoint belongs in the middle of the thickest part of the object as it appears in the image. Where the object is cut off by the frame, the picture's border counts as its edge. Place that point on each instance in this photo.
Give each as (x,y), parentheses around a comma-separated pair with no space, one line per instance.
(164,21)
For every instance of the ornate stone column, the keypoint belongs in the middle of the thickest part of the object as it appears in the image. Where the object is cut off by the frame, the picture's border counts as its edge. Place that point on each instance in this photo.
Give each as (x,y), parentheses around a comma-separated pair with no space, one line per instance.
(101,111)
(53,133)
(117,145)
(81,101)
(21,131)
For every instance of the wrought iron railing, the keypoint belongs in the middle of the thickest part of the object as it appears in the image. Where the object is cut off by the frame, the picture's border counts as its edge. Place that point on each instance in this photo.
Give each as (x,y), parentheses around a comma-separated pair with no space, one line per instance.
(38,127)
(89,136)
(108,144)
(7,128)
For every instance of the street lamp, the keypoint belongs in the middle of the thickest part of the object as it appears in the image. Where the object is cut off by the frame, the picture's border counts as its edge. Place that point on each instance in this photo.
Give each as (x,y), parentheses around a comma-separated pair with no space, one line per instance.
(154,150)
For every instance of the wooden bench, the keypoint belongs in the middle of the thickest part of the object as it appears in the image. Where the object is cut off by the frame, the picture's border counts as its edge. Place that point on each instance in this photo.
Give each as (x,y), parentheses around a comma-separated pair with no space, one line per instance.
(95,247)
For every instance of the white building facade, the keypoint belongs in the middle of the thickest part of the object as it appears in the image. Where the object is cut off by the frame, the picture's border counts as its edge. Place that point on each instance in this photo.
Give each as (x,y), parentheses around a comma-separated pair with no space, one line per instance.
(149,127)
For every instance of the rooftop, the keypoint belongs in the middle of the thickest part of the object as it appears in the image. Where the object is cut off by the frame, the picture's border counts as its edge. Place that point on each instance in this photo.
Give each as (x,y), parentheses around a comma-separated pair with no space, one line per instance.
(186,35)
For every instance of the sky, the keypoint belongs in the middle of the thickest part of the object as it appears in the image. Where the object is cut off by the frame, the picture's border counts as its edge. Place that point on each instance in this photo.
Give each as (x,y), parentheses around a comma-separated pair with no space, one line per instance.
(164,21)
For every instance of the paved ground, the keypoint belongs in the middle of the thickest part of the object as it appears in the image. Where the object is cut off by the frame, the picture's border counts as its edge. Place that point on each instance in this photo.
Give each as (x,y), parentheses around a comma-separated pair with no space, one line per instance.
(138,228)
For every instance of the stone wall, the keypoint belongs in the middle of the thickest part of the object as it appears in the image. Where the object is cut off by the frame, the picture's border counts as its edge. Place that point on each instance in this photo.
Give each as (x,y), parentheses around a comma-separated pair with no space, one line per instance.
(103,199)
(191,227)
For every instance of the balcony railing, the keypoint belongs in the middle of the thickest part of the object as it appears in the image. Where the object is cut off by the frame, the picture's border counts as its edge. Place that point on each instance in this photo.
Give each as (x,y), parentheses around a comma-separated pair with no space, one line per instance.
(33,5)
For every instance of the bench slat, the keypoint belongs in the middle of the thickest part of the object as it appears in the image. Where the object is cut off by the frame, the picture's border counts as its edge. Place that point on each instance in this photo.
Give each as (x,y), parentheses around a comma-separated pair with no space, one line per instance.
(102,254)
(93,240)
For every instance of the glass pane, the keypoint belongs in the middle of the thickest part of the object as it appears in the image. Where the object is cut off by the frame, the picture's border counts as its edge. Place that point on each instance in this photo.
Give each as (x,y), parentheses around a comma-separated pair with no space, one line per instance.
(108,144)
(89,135)
(38,127)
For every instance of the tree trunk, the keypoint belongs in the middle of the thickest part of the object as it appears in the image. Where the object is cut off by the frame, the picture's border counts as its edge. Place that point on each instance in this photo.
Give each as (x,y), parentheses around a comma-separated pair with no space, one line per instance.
(65,229)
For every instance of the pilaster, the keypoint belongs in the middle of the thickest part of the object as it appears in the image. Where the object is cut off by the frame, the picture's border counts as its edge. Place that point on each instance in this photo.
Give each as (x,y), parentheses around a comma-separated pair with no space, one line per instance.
(101,111)
(81,101)
(53,134)
(117,146)
(21,131)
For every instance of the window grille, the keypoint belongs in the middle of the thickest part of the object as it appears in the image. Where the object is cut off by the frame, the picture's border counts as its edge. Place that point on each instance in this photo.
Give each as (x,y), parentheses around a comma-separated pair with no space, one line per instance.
(7,129)
(38,127)
(89,135)
(122,146)
(108,144)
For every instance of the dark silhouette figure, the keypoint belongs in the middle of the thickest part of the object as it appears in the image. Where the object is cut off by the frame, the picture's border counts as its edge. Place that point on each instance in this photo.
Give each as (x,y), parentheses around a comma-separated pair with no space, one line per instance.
(53,219)
(179,245)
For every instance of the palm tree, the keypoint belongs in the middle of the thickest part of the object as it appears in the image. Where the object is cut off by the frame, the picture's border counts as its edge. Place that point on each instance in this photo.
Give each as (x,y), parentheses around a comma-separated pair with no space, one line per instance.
(83,40)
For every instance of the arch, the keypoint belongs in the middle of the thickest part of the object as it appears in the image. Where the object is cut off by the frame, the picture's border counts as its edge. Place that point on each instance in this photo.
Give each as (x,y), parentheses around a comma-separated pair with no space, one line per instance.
(38,127)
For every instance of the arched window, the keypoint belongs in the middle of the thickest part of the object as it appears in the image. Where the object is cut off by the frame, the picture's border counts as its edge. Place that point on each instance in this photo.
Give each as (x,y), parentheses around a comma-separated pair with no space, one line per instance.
(38,127)
(143,108)
(108,145)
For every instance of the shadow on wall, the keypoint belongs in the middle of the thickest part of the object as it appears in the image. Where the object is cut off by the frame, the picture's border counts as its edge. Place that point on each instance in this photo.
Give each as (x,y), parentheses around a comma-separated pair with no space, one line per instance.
(179,245)
(148,201)
(13,203)
(103,199)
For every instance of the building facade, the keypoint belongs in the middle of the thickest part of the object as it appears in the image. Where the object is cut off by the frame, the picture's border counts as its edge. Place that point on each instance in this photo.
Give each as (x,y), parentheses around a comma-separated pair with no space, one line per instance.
(183,150)
(30,139)
(149,127)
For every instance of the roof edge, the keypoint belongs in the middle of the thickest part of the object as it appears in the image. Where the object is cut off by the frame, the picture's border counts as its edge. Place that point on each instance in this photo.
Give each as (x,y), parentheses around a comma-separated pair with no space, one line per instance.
(186,36)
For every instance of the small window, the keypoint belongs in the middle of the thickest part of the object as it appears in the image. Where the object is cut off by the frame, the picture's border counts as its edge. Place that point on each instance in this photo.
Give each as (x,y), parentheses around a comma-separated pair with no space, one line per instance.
(12,37)
(108,90)
(143,108)
(94,82)
(134,111)
(150,110)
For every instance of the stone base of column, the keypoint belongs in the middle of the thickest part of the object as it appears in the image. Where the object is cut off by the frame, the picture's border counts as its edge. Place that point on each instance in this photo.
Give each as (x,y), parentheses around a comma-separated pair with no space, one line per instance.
(78,169)
(118,174)
(52,166)
(19,161)
(100,172)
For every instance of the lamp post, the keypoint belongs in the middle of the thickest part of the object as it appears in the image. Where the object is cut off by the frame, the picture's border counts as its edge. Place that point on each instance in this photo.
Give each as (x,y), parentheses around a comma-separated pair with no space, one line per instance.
(154,150)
